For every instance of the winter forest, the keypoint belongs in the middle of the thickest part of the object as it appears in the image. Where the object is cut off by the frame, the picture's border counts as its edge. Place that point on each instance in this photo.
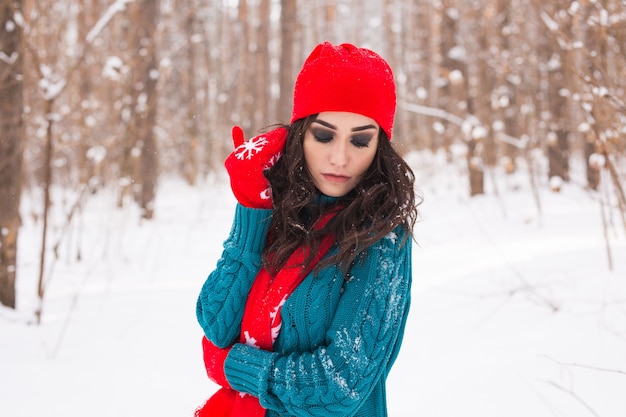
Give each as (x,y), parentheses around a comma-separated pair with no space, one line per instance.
(115,120)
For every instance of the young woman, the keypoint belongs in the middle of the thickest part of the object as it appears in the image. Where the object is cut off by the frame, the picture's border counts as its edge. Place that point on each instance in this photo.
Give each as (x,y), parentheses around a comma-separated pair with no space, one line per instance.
(305,311)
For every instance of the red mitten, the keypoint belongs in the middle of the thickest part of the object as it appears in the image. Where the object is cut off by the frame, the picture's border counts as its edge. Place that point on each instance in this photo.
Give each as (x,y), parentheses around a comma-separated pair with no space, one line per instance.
(214,358)
(246,164)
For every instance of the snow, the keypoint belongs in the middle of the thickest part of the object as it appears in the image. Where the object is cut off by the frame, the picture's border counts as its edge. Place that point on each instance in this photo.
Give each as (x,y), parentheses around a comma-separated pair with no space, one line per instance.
(113,67)
(9,26)
(550,23)
(115,8)
(514,313)
(10,60)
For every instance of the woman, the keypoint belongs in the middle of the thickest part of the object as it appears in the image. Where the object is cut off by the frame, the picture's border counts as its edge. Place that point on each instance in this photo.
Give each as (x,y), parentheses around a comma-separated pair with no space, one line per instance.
(305,311)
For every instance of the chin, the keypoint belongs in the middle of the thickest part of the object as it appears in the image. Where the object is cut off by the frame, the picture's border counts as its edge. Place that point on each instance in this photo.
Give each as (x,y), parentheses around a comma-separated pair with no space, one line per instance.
(333,192)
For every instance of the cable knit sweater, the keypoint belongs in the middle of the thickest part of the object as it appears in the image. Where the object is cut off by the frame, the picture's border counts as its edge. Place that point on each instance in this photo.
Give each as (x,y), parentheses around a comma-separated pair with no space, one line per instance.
(339,337)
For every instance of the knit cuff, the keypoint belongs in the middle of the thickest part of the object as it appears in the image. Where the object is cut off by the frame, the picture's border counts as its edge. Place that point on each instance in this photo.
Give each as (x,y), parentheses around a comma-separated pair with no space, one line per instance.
(247,369)
(250,228)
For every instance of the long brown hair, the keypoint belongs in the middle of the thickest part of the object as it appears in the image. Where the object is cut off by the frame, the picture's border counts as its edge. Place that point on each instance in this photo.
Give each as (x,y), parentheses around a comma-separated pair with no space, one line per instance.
(383,200)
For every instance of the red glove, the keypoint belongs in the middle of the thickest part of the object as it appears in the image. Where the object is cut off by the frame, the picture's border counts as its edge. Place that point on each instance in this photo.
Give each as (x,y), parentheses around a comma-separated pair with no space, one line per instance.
(214,358)
(246,164)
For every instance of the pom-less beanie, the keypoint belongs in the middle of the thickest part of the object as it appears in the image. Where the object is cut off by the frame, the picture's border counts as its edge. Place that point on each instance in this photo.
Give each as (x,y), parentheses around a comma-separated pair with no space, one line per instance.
(346,78)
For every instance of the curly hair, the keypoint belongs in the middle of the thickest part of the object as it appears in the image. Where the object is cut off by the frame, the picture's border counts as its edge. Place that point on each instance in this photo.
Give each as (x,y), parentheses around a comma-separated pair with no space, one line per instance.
(383,200)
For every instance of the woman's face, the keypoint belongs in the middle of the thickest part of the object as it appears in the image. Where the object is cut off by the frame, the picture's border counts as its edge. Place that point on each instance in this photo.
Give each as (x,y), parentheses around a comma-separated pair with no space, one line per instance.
(339,147)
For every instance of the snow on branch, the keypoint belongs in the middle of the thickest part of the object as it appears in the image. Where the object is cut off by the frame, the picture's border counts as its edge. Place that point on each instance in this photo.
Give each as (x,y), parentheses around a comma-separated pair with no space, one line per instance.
(519,143)
(470,126)
(8,59)
(50,83)
(117,7)
(434,112)
(550,23)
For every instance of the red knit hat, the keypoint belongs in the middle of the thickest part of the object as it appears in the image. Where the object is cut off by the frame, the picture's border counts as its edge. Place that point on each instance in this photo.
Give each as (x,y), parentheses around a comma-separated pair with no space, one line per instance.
(346,78)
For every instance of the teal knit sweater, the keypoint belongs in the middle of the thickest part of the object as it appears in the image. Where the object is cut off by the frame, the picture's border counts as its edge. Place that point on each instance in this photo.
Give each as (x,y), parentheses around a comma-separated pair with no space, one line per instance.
(339,336)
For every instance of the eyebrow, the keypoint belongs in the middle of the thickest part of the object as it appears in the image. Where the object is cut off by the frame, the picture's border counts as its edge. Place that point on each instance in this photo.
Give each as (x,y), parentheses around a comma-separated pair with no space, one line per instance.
(354,129)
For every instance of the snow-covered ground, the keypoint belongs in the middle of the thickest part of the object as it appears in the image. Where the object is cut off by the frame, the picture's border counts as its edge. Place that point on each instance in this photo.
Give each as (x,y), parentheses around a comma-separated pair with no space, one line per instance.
(515,313)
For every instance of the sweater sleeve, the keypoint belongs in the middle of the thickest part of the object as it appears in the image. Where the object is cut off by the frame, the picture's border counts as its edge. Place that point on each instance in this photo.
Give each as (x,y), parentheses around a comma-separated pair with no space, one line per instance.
(360,347)
(221,302)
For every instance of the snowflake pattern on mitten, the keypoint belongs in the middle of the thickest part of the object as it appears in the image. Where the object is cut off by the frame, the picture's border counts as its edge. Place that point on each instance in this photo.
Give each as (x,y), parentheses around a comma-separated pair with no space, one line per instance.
(250,148)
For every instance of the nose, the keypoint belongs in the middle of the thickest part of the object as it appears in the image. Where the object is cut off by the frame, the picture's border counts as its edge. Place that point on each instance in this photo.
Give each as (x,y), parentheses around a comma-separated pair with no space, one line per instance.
(339,153)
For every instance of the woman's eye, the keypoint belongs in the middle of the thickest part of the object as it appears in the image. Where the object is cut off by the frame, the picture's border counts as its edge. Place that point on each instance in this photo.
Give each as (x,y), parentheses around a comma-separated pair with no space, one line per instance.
(322,136)
(361,141)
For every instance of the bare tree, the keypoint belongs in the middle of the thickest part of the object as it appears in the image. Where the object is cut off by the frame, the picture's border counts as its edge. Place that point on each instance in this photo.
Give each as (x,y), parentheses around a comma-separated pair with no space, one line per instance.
(86,19)
(464,88)
(586,35)
(242,110)
(509,95)
(12,136)
(392,21)
(189,163)
(595,85)
(418,68)
(263,110)
(53,73)
(143,95)
(558,130)
(288,15)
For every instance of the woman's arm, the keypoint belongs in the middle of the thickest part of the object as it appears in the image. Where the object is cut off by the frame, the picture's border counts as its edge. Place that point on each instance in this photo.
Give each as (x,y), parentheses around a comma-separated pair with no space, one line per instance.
(361,344)
(223,296)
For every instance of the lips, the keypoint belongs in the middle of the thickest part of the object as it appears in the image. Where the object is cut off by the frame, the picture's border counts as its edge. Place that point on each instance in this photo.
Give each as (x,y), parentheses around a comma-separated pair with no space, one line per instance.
(336,178)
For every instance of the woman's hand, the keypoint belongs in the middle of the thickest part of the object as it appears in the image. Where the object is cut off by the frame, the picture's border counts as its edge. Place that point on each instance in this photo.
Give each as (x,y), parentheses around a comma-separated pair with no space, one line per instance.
(245,166)
(214,358)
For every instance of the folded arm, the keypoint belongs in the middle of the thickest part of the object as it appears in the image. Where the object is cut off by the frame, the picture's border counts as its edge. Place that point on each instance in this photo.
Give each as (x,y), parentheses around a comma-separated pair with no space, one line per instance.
(361,344)
(222,300)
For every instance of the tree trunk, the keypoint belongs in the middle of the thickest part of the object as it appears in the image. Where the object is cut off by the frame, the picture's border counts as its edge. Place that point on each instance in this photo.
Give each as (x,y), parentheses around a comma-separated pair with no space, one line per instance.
(241,114)
(12,136)
(145,15)
(263,78)
(85,21)
(452,73)
(286,71)
(557,63)
(594,39)
(189,164)
(394,53)
(510,90)
(47,184)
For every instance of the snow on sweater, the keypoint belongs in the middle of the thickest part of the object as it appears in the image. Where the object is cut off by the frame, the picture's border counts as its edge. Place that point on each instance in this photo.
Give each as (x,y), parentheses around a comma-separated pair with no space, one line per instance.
(339,337)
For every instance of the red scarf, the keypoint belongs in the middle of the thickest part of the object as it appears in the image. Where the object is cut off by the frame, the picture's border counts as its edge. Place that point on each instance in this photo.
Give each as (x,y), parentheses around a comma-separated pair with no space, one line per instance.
(261,323)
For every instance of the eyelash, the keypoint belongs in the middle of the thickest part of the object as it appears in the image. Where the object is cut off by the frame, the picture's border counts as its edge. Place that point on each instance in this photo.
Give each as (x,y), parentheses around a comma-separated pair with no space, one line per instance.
(323,137)
(361,142)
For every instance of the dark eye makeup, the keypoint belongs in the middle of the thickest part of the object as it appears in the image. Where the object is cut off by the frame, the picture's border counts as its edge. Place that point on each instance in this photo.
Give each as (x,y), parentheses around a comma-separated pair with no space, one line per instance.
(361,141)
(322,135)
(325,136)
